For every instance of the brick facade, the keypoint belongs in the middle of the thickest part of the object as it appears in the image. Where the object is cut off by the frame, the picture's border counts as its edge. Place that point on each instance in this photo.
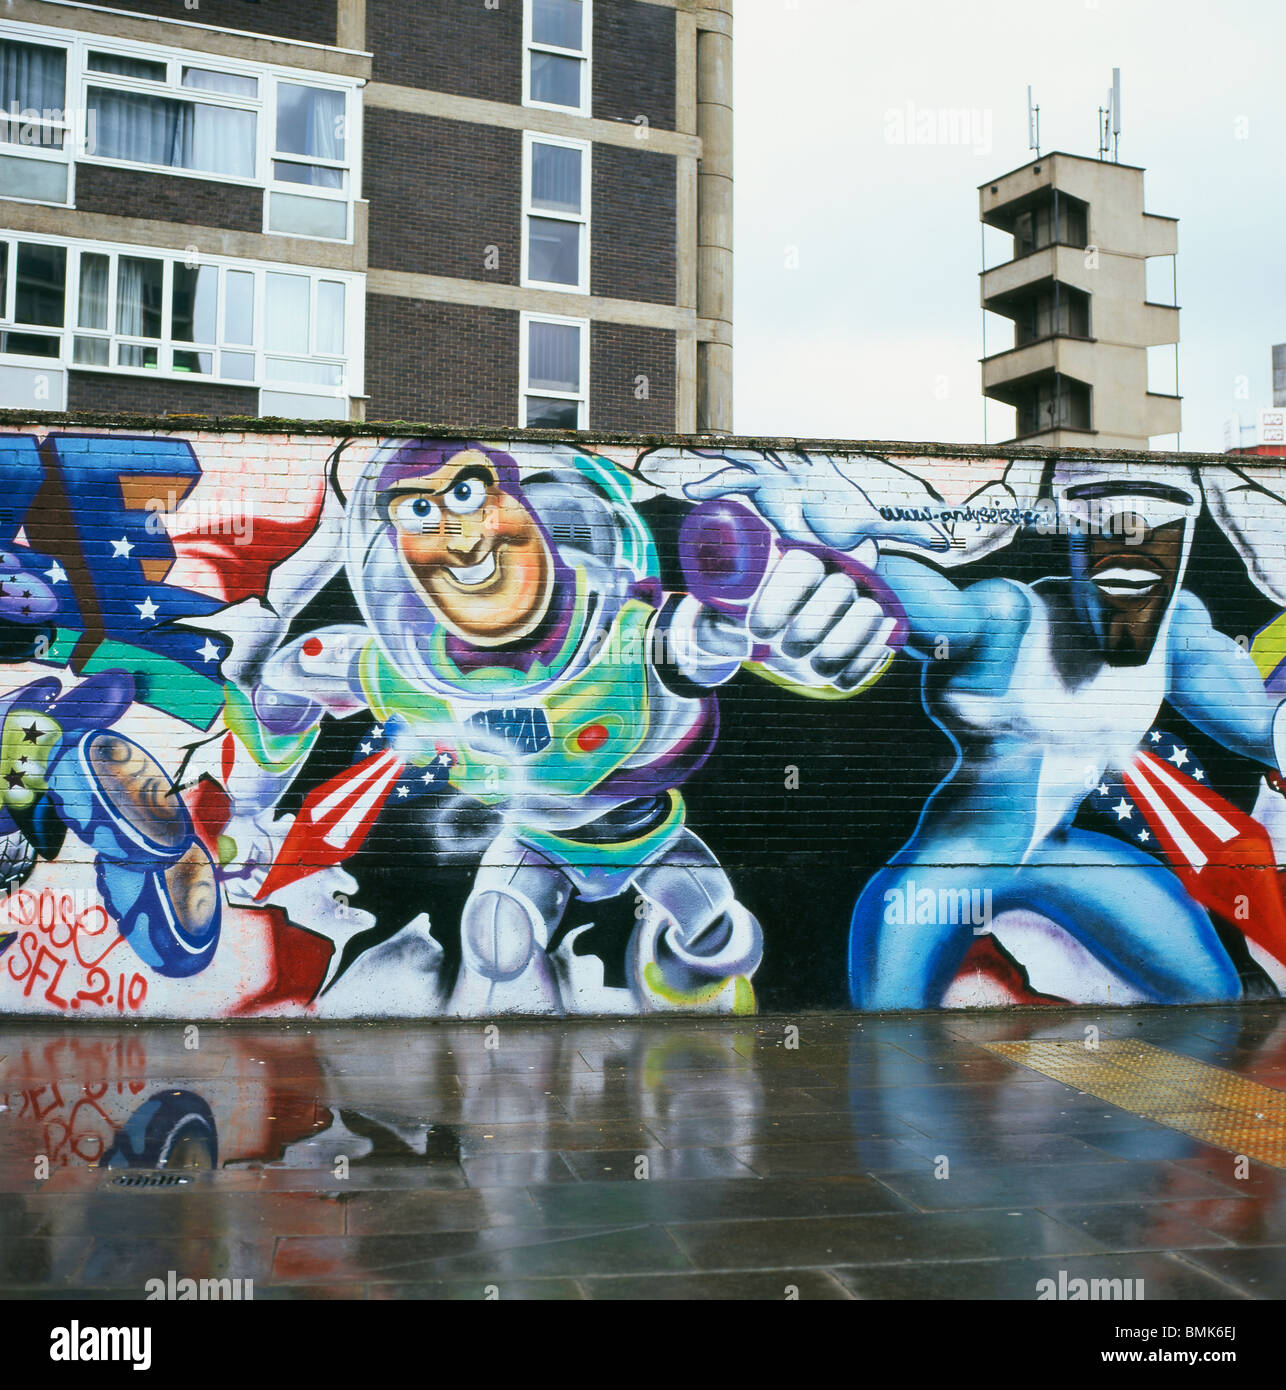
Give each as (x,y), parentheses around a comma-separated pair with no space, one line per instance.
(451,364)
(169,198)
(441,193)
(633,236)
(457,46)
(619,355)
(310,21)
(116,391)
(634,59)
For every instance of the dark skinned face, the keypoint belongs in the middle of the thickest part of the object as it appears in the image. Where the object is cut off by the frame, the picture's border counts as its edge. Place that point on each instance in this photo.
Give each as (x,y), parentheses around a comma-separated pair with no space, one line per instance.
(1133,572)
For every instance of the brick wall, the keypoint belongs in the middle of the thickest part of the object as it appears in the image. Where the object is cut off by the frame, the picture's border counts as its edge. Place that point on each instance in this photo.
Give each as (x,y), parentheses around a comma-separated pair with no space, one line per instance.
(633,234)
(442,192)
(168,198)
(456,46)
(311,21)
(454,364)
(983,773)
(634,58)
(114,391)
(619,355)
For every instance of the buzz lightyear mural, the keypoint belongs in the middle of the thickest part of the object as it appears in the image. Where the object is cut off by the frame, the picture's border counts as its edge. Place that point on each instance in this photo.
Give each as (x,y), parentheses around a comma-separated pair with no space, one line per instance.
(421,727)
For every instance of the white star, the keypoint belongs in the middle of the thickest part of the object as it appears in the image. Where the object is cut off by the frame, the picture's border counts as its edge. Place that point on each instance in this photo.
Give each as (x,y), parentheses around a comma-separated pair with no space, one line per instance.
(122,547)
(1156,736)
(377,732)
(57,574)
(402,791)
(209,652)
(1123,811)
(147,609)
(428,777)
(365,748)
(1102,788)
(1178,757)
(1144,837)
(1198,775)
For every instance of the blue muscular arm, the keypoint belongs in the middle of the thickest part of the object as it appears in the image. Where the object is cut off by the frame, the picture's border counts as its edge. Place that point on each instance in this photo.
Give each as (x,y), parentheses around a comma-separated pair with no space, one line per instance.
(1216,686)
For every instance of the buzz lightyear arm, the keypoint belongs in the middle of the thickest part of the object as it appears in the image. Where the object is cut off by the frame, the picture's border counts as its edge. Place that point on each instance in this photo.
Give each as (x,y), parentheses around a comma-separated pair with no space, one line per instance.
(276,722)
(1216,686)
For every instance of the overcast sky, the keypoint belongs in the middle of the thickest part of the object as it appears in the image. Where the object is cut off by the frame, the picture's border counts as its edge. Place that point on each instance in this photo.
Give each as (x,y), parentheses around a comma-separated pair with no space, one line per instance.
(857,258)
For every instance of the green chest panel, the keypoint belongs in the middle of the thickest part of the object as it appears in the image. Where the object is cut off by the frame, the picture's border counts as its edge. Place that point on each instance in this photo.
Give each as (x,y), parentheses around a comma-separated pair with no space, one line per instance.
(563,742)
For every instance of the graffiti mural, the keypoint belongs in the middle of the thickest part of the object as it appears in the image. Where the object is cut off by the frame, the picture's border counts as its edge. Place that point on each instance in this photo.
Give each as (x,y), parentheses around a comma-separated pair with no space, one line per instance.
(459,727)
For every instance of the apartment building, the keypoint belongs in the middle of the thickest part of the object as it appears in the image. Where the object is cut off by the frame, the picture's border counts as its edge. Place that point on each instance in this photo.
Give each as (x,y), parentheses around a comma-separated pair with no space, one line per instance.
(490,212)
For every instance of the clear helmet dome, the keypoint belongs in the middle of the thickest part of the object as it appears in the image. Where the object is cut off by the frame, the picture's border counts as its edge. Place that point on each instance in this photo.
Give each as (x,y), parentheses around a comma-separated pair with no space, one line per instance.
(582,508)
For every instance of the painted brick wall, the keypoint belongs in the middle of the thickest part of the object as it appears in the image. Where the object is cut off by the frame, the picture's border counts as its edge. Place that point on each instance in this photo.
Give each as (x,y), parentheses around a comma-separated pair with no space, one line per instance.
(441,193)
(377,726)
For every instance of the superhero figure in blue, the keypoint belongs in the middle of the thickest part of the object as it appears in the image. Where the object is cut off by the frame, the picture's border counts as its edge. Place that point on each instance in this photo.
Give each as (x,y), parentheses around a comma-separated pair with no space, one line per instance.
(1040,688)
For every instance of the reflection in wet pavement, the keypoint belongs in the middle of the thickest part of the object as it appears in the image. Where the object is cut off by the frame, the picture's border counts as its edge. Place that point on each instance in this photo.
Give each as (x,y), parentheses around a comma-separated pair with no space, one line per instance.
(868,1158)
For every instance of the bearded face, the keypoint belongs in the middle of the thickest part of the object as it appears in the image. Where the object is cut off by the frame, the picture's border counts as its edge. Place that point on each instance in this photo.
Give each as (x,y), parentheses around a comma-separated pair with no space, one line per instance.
(474,552)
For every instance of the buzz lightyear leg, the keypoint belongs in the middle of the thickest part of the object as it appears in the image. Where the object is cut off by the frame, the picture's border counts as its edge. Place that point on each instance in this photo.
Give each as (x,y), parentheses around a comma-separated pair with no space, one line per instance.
(518,899)
(701,939)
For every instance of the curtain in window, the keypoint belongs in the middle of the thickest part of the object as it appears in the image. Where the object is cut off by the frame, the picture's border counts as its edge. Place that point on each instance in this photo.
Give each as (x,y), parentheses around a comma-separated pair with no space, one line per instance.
(553,359)
(92,311)
(310,121)
(180,134)
(32,78)
(138,297)
(555,178)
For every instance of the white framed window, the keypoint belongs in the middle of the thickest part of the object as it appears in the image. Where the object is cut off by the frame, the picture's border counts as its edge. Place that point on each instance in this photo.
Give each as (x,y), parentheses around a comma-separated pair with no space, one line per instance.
(553,358)
(143,106)
(555,199)
(137,310)
(557,38)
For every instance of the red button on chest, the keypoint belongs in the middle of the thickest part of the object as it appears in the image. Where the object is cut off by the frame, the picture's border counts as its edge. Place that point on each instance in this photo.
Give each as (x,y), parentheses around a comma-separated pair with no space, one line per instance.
(592,736)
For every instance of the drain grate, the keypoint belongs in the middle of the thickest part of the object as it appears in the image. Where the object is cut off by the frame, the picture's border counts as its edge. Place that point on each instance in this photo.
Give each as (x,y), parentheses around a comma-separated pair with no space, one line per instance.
(149,1180)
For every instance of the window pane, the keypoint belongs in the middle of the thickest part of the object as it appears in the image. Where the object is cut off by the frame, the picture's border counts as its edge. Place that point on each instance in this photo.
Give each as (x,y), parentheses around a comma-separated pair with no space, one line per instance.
(209,81)
(239,366)
(202,362)
(330,317)
(131,355)
(92,351)
(196,291)
(4,278)
(138,300)
(175,134)
(553,356)
(557,22)
(92,309)
(29,344)
(555,80)
(31,77)
(555,178)
(126,67)
(319,217)
(304,373)
(39,179)
(239,307)
(316,174)
(286,311)
(310,120)
(42,285)
(546,413)
(553,251)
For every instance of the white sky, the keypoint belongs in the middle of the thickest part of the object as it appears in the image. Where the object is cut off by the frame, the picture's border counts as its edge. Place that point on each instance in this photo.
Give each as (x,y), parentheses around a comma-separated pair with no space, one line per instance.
(877,332)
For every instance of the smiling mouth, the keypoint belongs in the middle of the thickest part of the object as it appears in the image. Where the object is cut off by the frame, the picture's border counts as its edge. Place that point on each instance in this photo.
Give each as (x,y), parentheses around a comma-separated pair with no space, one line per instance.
(472,576)
(1131,580)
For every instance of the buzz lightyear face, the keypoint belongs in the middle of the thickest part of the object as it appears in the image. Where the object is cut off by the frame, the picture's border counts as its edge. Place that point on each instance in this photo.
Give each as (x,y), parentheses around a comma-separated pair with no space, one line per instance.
(473,550)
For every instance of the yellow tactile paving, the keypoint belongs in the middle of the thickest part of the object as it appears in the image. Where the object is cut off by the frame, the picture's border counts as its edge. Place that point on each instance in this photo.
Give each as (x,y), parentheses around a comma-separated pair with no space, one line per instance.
(1211,1104)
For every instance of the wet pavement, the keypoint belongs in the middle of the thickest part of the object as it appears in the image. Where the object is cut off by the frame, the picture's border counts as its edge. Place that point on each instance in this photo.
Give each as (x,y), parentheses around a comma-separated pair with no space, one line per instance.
(830,1157)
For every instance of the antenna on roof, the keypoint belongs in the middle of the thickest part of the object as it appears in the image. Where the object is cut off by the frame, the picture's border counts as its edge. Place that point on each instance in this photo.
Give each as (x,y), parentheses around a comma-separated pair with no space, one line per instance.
(1109,121)
(1033,124)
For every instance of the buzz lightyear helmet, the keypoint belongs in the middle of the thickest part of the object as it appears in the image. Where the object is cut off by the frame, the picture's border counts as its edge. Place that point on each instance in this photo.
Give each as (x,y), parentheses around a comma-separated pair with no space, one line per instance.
(584,507)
